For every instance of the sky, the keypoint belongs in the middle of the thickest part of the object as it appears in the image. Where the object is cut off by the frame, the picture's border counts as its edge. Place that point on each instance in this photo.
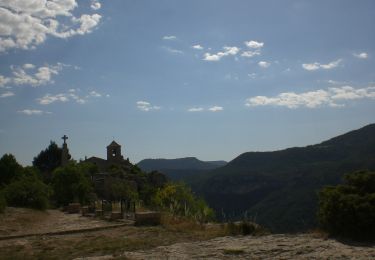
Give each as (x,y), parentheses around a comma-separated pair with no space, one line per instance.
(170,78)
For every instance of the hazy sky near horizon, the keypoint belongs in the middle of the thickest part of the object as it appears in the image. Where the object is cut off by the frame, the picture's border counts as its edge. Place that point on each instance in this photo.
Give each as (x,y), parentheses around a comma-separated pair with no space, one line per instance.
(172,78)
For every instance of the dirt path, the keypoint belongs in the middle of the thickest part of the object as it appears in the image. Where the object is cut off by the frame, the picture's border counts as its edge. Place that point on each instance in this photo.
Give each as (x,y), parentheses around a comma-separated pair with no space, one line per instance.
(21,221)
(266,247)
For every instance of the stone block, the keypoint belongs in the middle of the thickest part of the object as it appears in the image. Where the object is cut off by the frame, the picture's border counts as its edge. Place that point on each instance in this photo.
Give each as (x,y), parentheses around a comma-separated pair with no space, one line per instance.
(150,218)
(74,208)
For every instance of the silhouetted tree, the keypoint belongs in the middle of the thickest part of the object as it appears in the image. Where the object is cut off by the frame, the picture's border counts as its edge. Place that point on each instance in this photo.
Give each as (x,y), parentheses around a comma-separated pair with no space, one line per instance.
(9,169)
(48,160)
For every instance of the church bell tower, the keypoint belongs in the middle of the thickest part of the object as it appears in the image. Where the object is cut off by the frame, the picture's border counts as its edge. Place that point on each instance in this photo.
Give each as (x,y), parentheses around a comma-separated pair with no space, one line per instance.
(114,152)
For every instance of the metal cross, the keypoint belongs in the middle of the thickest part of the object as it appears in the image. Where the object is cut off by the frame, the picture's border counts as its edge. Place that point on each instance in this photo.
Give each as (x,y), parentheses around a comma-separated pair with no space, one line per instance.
(64,138)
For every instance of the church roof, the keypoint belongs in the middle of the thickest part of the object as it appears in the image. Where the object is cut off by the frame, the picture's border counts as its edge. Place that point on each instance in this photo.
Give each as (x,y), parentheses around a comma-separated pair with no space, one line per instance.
(113,144)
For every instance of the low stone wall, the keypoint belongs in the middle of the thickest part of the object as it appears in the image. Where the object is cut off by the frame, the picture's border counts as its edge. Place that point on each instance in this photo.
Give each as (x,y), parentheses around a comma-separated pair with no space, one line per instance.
(150,218)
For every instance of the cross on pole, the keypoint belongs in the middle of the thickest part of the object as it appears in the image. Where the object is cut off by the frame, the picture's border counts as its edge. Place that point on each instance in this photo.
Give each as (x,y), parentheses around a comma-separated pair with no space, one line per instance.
(64,138)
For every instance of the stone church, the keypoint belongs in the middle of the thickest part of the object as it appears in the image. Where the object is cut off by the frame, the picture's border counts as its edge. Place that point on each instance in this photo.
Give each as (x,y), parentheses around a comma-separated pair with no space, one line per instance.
(114,157)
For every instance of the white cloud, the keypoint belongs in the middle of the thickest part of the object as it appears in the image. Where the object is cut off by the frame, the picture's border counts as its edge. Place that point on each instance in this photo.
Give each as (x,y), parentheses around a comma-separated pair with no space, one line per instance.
(249,54)
(28,66)
(95,94)
(31,112)
(311,66)
(4,81)
(25,24)
(174,51)
(362,55)
(254,44)
(7,94)
(330,65)
(317,65)
(195,109)
(197,47)
(216,109)
(40,76)
(313,99)
(71,95)
(226,52)
(264,64)
(169,37)
(146,106)
(95,5)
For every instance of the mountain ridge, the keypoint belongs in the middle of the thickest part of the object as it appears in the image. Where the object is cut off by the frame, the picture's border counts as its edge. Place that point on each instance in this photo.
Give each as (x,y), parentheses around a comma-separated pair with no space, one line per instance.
(280,188)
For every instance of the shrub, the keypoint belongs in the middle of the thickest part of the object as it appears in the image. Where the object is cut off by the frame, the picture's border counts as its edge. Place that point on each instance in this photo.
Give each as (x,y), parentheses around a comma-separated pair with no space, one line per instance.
(178,199)
(348,209)
(28,191)
(241,228)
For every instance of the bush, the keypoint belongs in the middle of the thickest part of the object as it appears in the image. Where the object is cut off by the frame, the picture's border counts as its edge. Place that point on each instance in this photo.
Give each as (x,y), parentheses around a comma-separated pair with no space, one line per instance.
(178,199)
(70,184)
(28,191)
(348,210)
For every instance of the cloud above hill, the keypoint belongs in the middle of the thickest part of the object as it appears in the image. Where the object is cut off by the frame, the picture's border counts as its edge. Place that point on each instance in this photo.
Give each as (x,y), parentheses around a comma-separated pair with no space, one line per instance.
(332,97)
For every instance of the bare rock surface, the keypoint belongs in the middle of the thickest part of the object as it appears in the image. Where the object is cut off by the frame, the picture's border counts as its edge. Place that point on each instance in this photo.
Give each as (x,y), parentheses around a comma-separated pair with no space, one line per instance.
(304,246)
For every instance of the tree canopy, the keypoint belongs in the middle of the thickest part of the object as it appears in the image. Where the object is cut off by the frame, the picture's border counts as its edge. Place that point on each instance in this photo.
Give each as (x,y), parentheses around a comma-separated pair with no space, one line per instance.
(48,160)
(348,209)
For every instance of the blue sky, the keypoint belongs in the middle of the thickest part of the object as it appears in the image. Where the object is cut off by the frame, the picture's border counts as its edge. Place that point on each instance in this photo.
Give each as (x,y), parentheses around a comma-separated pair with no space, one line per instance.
(168,79)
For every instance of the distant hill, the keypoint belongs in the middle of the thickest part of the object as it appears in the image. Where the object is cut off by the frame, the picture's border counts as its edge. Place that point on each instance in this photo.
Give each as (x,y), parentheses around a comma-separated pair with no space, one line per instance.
(181,168)
(279,189)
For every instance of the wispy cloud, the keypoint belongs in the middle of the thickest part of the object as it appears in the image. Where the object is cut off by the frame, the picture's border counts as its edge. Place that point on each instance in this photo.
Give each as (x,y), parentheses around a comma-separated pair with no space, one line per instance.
(362,55)
(197,47)
(146,106)
(31,112)
(216,109)
(27,24)
(71,95)
(264,64)
(174,51)
(169,37)
(7,94)
(227,51)
(332,97)
(317,65)
(196,109)
(249,54)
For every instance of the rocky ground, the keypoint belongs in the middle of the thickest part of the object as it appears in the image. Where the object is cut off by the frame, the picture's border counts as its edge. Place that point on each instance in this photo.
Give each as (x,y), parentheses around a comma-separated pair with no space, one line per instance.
(175,239)
(303,246)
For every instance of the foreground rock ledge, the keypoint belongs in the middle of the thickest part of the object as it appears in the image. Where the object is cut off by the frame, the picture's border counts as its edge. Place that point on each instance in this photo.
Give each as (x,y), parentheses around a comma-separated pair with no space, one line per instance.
(303,246)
